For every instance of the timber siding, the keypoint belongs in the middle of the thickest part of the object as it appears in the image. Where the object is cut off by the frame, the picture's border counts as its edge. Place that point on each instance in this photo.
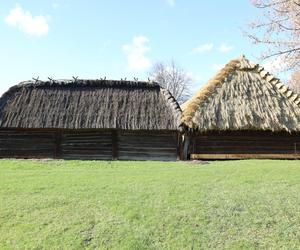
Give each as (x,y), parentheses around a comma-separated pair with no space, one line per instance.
(151,145)
(89,144)
(245,144)
(26,144)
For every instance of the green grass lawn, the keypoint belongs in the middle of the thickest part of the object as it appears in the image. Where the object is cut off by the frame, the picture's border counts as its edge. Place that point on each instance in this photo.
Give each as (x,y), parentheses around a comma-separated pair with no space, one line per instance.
(149,205)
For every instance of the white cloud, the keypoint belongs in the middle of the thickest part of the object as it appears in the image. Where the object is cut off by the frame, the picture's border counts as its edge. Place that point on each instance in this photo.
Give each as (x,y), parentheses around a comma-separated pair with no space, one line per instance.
(137,60)
(217,67)
(24,21)
(203,48)
(225,48)
(171,3)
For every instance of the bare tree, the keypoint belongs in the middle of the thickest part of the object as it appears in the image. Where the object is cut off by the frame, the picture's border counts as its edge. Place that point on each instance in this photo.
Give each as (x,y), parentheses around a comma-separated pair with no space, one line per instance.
(279,29)
(173,78)
(294,82)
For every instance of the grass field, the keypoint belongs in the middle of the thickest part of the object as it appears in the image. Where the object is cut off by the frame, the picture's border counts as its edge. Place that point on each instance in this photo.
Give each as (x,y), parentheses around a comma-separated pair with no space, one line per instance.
(149,205)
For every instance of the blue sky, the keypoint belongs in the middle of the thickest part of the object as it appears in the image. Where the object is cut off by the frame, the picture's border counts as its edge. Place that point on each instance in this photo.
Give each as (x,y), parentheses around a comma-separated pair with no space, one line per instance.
(118,39)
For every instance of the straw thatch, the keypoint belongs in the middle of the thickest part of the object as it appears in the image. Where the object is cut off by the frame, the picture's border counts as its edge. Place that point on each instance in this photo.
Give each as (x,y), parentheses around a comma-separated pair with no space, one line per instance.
(243,96)
(89,104)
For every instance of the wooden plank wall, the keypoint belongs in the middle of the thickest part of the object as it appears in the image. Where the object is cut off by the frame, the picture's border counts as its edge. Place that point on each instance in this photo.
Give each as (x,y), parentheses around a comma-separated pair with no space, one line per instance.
(148,146)
(26,144)
(248,144)
(91,145)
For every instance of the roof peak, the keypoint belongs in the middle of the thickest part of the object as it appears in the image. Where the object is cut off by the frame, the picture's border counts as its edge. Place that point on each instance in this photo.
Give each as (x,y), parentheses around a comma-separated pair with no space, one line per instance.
(245,64)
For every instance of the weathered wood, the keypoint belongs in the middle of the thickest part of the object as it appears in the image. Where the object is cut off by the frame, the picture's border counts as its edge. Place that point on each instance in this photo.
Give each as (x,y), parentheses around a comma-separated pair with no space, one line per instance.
(86,145)
(243,156)
(179,146)
(26,144)
(243,144)
(115,147)
(57,150)
(186,146)
(148,145)
(89,144)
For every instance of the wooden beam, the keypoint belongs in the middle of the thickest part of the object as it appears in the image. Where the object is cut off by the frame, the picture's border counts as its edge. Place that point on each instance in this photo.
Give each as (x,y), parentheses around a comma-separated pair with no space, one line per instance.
(186,147)
(243,156)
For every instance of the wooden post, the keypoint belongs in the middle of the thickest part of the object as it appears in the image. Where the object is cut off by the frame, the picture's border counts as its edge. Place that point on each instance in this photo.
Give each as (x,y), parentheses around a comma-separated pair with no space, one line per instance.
(115,146)
(186,146)
(179,146)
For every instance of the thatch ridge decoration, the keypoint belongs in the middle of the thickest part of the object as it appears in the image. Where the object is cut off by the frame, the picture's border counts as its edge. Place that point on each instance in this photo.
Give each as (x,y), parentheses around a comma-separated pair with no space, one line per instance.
(89,104)
(251,76)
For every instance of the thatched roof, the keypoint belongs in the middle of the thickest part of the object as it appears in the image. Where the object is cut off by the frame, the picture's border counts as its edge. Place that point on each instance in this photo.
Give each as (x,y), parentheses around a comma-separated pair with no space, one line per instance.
(243,96)
(89,104)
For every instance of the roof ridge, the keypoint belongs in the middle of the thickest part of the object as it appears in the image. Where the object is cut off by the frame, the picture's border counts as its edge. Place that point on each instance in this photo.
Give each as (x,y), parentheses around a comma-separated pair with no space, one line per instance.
(84,82)
(75,82)
(281,87)
(95,82)
(246,64)
(173,104)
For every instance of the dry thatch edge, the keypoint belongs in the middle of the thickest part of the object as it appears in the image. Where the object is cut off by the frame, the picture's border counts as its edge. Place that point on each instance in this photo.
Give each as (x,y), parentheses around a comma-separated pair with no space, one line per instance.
(283,89)
(190,107)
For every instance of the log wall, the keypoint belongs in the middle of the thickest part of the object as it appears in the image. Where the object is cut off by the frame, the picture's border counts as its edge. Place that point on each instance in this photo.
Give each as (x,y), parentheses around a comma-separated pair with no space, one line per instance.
(89,144)
(86,145)
(245,144)
(147,145)
(26,144)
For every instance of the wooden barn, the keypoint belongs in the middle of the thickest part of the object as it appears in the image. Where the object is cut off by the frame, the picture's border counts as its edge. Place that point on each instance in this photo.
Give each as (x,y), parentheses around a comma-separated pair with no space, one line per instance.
(243,112)
(89,119)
